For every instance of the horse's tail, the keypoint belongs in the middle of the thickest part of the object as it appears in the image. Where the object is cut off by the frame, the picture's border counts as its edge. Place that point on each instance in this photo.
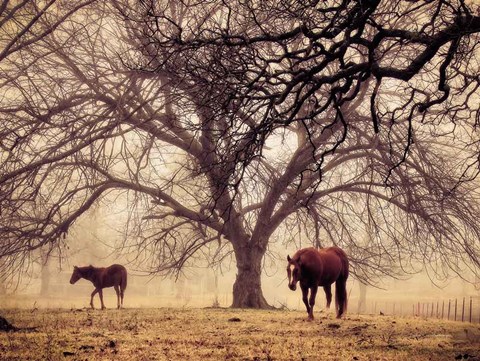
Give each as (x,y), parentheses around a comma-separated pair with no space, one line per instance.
(123,281)
(341,301)
(344,259)
(341,296)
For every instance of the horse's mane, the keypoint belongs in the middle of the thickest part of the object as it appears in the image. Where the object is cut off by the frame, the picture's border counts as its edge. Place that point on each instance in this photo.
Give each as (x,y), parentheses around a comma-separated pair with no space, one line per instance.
(296,257)
(87,272)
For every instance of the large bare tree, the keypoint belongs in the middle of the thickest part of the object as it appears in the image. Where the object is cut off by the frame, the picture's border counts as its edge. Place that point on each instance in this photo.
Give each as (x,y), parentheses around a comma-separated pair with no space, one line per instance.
(229,126)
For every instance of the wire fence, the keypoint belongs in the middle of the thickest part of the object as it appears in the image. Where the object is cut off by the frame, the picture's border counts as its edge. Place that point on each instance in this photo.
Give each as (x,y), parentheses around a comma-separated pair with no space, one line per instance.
(463,309)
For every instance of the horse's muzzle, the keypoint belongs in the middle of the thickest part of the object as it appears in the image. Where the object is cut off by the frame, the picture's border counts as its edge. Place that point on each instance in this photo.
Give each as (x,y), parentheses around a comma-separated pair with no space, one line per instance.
(293,287)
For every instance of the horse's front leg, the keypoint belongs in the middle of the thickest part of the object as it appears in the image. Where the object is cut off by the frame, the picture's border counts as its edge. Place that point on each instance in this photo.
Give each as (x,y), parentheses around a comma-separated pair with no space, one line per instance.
(100,293)
(305,300)
(313,294)
(91,298)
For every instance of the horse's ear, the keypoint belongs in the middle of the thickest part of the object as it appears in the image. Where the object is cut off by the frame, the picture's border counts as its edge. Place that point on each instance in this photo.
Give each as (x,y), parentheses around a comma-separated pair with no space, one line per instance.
(288,258)
(75,267)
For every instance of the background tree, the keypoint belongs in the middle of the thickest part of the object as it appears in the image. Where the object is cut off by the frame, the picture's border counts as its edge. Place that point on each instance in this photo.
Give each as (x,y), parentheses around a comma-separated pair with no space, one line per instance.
(225,123)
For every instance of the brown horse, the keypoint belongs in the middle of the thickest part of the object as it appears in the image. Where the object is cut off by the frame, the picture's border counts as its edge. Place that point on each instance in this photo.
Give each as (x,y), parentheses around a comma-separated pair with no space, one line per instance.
(315,268)
(115,275)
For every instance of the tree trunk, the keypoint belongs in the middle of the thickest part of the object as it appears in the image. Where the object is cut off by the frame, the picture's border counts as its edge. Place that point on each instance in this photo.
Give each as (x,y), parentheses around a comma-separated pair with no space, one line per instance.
(45,275)
(362,300)
(45,280)
(247,289)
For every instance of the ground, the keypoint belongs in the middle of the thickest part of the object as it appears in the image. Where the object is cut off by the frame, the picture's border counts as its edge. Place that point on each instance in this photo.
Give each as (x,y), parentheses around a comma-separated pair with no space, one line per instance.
(229,334)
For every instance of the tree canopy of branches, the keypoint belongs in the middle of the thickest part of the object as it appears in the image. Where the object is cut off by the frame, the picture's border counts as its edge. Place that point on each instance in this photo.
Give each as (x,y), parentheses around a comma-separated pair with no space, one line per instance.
(25,22)
(228,126)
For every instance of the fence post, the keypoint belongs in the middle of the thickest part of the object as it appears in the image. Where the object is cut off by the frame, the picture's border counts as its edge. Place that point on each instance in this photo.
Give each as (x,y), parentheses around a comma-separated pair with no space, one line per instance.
(455,310)
(463,309)
(436,312)
(470,313)
(448,315)
(443,308)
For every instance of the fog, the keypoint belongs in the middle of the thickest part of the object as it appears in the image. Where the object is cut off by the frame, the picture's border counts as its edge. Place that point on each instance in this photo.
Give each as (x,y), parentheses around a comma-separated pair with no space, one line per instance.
(206,288)
(92,241)
(192,159)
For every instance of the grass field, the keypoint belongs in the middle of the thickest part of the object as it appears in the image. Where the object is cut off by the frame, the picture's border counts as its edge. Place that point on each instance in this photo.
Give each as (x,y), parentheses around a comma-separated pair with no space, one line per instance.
(229,334)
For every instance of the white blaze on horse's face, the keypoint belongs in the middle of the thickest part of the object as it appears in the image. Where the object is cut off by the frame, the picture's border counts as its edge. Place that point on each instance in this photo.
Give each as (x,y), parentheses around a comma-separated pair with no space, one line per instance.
(292,267)
(292,272)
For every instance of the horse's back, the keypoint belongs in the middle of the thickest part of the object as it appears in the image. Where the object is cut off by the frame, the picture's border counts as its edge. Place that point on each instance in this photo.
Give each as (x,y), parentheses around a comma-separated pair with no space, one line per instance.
(115,275)
(337,250)
(117,268)
(337,259)
(309,254)
(310,259)
(325,264)
(333,253)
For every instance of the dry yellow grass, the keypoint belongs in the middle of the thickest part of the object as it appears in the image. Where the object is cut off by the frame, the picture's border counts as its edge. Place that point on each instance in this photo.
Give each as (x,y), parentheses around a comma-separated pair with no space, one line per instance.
(229,334)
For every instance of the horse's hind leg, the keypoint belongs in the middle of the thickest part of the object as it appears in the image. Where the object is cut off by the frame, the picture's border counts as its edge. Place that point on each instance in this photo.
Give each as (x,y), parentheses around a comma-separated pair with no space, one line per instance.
(121,296)
(117,291)
(100,293)
(91,297)
(328,294)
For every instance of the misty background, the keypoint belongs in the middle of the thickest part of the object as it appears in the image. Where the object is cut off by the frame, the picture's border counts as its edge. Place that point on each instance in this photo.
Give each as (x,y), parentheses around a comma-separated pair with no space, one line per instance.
(94,238)
(199,144)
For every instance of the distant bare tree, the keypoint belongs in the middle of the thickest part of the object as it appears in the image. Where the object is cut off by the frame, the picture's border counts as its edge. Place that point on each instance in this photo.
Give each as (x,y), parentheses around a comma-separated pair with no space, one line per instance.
(229,127)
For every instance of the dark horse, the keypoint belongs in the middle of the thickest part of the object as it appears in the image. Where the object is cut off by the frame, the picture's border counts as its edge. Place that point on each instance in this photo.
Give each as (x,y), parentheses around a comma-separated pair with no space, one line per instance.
(115,275)
(315,268)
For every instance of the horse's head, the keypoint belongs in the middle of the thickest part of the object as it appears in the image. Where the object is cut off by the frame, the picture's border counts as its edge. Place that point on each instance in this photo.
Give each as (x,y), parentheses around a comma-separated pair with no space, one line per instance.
(76,275)
(293,272)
